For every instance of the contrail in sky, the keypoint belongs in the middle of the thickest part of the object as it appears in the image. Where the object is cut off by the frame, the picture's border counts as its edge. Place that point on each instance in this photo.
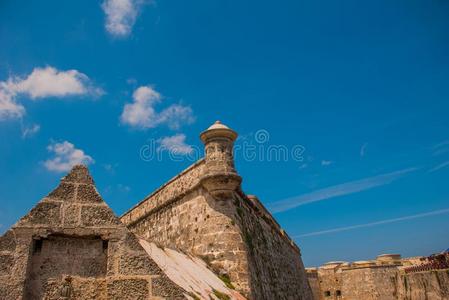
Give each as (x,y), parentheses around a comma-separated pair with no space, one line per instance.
(338,190)
(440,166)
(400,219)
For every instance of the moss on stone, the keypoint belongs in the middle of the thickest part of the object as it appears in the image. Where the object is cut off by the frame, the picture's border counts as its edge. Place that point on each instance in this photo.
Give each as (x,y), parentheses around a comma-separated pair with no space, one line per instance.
(227,281)
(220,295)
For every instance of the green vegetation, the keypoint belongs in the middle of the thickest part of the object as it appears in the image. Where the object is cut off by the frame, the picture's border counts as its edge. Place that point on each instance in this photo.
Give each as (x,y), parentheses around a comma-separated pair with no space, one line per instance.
(227,281)
(220,295)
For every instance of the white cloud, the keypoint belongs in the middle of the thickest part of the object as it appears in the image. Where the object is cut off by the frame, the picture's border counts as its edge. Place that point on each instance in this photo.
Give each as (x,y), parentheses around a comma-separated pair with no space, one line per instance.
(65,157)
(43,83)
(9,108)
(175,144)
(175,115)
(142,114)
(30,131)
(121,15)
(326,162)
(382,222)
(49,82)
(339,190)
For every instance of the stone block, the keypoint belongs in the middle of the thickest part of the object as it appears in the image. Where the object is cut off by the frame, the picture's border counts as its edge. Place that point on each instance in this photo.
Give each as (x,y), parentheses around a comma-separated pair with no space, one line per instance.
(98,216)
(71,215)
(10,290)
(128,289)
(6,264)
(163,287)
(88,194)
(45,213)
(90,289)
(64,192)
(137,264)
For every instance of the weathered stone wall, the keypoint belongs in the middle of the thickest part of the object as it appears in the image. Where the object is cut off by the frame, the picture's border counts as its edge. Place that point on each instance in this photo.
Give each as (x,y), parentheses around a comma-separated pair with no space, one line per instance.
(275,266)
(70,237)
(57,256)
(430,285)
(107,288)
(369,283)
(203,227)
(328,281)
(232,234)
(170,192)
(312,276)
(380,280)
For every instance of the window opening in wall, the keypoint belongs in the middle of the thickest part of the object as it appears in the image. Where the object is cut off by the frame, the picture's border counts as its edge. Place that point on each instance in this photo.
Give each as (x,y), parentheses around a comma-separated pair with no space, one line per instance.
(37,246)
(105,246)
(327,293)
(338,293)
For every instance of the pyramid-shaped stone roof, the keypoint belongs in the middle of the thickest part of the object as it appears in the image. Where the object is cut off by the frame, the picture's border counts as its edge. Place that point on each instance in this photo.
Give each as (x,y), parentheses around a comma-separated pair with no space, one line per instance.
(74,203)
(71,242)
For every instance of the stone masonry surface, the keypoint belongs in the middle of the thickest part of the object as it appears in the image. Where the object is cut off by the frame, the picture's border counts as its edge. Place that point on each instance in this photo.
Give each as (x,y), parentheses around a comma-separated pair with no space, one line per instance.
(388,277)
(71,246)
(204,212)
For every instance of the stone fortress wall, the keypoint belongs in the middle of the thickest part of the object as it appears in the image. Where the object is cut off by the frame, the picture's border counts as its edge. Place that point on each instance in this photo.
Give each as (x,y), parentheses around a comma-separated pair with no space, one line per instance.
(204,212)
(387,277)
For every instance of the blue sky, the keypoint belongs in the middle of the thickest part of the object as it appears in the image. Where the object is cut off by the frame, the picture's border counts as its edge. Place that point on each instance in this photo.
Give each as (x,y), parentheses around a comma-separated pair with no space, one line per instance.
(361,88)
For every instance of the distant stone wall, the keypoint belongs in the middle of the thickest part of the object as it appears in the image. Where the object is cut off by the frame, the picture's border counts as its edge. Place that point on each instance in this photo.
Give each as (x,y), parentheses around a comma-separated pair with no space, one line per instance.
(378,280)
(230,233)
(314,283)
(431,285)
(369,283)
(326,282)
